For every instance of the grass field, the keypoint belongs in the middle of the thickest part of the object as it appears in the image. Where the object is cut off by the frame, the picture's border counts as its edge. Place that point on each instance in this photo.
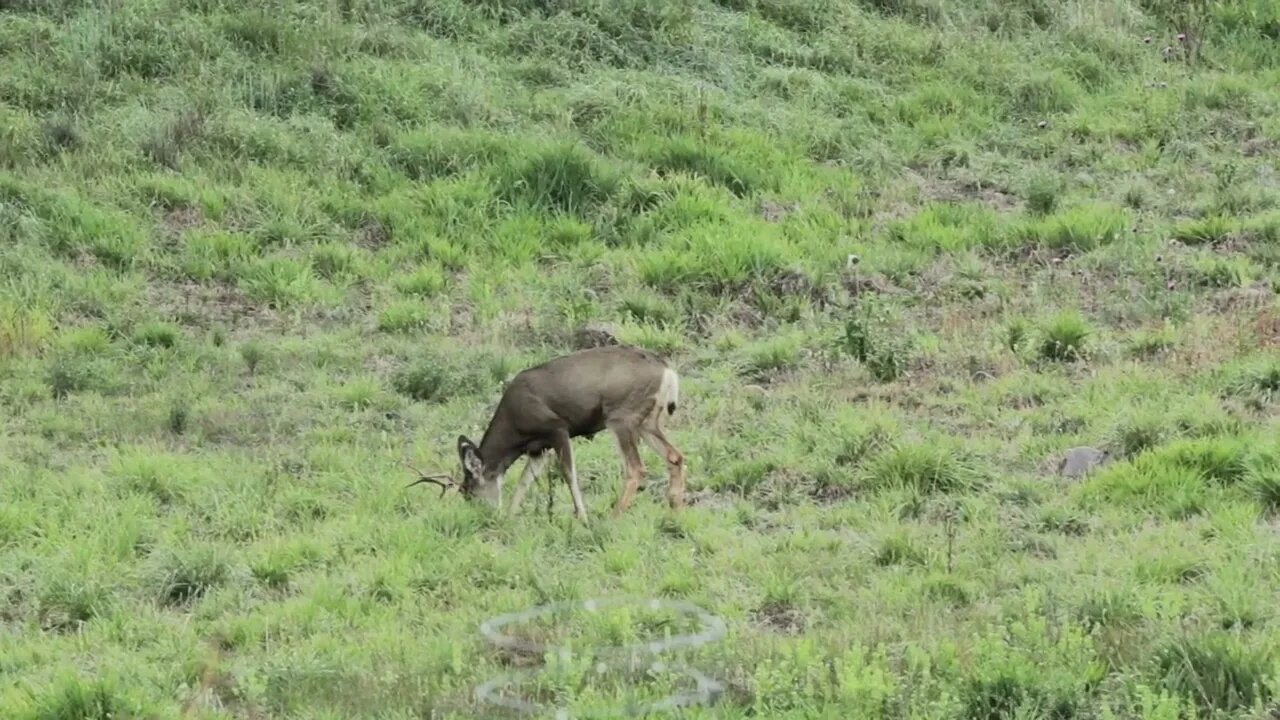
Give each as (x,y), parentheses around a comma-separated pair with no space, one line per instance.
(256,256)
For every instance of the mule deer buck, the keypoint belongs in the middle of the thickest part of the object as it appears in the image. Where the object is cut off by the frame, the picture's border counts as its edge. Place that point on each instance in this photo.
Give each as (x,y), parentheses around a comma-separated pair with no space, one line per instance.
(625,389)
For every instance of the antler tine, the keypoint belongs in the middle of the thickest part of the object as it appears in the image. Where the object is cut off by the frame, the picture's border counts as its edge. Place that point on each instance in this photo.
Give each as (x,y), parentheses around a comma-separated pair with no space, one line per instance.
(444,481)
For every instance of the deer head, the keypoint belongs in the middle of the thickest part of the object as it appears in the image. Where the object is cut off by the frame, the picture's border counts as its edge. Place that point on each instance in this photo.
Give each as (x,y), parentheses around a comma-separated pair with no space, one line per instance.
(478,482)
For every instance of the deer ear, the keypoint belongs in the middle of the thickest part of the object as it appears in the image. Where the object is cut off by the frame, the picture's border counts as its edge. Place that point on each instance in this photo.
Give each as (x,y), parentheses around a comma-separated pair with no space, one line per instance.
(469,454)
(471,460)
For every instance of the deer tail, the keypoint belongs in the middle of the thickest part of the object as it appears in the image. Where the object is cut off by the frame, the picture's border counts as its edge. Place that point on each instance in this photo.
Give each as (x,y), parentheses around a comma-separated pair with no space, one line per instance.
(669,391)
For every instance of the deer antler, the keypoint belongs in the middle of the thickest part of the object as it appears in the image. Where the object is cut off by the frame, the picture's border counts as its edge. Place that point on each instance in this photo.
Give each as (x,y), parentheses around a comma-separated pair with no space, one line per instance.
(444,481)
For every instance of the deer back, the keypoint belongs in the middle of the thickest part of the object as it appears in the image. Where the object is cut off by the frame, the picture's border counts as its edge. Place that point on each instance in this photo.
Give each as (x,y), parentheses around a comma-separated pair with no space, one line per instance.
(577,393)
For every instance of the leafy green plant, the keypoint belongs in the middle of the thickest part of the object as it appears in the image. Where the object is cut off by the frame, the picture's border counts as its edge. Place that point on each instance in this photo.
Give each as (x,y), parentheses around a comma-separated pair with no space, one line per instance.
(873,337)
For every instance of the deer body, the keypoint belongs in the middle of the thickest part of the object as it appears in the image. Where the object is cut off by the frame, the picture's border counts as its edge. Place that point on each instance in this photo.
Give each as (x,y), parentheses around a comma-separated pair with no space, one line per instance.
(625,390)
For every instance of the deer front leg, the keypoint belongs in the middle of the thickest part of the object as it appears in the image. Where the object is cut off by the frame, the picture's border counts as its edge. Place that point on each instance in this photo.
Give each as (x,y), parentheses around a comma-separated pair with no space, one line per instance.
(633,467)
(531,470)
(565,453)
(675,466)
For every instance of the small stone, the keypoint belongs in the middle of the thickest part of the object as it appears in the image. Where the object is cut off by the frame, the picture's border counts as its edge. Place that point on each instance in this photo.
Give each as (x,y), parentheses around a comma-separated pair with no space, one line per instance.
(1042,124)
(1080,461)
(1182,36)
(1147,39)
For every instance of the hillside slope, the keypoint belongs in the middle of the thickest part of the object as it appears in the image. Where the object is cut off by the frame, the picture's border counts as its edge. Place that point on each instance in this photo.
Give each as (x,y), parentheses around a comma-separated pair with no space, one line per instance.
(254,256)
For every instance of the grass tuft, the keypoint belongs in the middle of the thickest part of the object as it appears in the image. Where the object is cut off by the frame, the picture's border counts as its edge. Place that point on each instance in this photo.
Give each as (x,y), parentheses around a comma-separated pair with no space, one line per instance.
(426,281)
(403,316)
(253,353)
(898,550)
(1205,231)
(23,331)
(157,335)
(563,178)
(1150,482)
(1221,460)
(66,604)
(67,376)
(1079,229)
(1043,193)
(186,574)
(1262,477)
(926,468)
(1256,380)
(72,697)
(1216,672)
(1064,337)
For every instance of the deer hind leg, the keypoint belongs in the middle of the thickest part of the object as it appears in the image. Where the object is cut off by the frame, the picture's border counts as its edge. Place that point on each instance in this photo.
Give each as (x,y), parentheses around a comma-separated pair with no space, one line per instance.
(675,464)
(633,467)
(531,470)
(565,453)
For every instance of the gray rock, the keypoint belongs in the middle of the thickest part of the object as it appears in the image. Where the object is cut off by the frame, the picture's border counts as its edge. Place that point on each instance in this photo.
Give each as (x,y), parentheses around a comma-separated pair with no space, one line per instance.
(1080,461)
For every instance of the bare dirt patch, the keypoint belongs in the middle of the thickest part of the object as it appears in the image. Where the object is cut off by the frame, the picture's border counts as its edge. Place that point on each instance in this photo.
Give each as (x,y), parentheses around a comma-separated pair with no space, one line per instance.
(1221,339)
(709,499)
(1256,297)
(205,305)
(1267,328)
(963,189)
(372,234)
(1259,146)
(793,283)
(181,219)
(780,617)
(595,334)
(874,283)
(773,211)
(746,315)
(891,214)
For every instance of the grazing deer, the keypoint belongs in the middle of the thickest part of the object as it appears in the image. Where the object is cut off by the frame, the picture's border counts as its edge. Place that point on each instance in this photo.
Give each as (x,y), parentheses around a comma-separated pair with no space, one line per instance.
(625,389)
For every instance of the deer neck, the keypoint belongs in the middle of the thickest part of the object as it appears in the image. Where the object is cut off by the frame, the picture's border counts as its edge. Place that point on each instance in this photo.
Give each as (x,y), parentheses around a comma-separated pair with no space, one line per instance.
(500,447)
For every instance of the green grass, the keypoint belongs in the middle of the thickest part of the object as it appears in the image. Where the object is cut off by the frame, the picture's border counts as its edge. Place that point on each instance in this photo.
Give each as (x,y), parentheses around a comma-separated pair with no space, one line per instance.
(904,253)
